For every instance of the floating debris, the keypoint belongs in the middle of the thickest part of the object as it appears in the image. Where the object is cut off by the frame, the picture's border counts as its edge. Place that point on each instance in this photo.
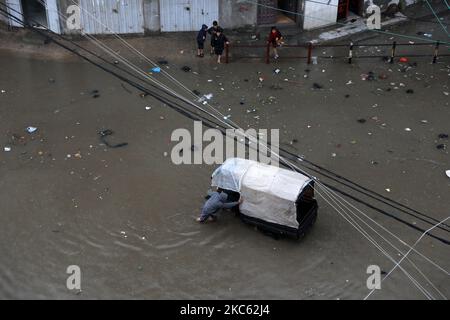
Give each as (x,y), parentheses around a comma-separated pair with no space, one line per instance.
(31,130)
(105,133)
(186,69)
(317,86)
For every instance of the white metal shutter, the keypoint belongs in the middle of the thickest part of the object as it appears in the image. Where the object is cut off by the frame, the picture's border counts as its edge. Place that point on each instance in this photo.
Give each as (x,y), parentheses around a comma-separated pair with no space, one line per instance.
(320,13)
(112,16)
(187,15)
(15,5)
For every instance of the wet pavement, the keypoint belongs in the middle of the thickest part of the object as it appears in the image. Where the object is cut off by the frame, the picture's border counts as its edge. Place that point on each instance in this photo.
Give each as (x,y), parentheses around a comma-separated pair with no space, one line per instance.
(126,216)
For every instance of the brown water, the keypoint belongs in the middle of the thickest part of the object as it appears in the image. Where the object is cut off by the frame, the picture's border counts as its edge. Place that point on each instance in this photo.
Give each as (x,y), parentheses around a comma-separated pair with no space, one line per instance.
(126,216)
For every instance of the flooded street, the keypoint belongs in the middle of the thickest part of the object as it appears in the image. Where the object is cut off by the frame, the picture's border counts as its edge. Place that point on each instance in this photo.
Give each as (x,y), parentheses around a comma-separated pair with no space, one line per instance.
(126,216)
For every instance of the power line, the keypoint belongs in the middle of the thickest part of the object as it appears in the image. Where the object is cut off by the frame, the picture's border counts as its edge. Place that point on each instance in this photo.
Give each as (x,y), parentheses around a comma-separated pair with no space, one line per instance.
(423,290)
(437,18)
(218,125)
(448,5)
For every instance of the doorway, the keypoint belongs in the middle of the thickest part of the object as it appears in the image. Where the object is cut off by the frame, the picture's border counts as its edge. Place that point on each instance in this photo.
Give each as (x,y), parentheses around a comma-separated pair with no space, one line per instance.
(278,12)
(356,7)
(288,12)
(34,13)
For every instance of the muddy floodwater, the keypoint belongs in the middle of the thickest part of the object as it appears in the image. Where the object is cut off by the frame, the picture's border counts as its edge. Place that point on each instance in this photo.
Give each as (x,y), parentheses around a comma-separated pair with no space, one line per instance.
(126,216)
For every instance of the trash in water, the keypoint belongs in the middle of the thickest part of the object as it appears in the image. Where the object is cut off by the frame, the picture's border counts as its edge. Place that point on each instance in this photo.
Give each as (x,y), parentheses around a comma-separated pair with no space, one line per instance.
(362,120)
(95,94)
(148,108)
(317,86)
(7,149)
(277,71)
(410,91)
(443,136)
(314,60)
(186,69)
(370,76)
(447,173)
(408,129)
(205,97)
(31,130)
(196,92)
(105,133)
(404,60)
(156,69)
(441,147)
(163,62)
(3,91)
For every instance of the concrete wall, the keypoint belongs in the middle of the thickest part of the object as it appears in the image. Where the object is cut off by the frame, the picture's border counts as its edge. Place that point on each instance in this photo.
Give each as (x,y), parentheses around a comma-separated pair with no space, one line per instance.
(151,16)
(237,14)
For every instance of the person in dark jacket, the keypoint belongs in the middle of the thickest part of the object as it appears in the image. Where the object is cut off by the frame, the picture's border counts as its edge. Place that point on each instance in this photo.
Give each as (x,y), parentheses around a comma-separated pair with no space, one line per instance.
(218,200)
(220,41)
(212,31)
(275,40)
(201,38)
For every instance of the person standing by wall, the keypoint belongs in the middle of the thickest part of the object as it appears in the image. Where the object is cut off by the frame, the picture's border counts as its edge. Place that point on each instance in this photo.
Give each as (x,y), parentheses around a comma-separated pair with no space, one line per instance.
(220,41)
(212,31)
(275,40)
(201,38)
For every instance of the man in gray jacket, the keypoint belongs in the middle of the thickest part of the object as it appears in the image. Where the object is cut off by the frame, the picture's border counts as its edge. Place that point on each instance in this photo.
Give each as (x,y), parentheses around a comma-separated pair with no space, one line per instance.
(217,201)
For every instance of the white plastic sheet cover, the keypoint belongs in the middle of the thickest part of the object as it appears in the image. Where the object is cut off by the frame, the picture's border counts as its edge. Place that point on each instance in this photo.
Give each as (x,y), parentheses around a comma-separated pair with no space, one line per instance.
(229,175)
(269,192)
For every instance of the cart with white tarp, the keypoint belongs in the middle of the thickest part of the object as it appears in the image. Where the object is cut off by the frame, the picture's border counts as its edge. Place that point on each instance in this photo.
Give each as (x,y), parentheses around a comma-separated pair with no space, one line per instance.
(276,200)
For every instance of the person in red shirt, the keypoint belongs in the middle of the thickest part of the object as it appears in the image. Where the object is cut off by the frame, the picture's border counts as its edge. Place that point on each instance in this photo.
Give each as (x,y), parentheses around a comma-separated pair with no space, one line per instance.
(275,38)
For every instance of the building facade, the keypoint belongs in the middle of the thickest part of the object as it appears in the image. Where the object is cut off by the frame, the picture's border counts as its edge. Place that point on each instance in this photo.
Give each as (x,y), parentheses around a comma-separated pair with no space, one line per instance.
(140,16)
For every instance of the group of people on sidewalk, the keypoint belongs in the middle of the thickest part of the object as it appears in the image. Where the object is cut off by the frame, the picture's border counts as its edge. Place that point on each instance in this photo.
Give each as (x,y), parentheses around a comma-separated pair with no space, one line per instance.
(219,41)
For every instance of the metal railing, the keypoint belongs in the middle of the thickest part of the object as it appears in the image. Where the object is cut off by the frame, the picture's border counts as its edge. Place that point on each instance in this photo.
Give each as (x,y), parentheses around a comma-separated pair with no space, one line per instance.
(263,51)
